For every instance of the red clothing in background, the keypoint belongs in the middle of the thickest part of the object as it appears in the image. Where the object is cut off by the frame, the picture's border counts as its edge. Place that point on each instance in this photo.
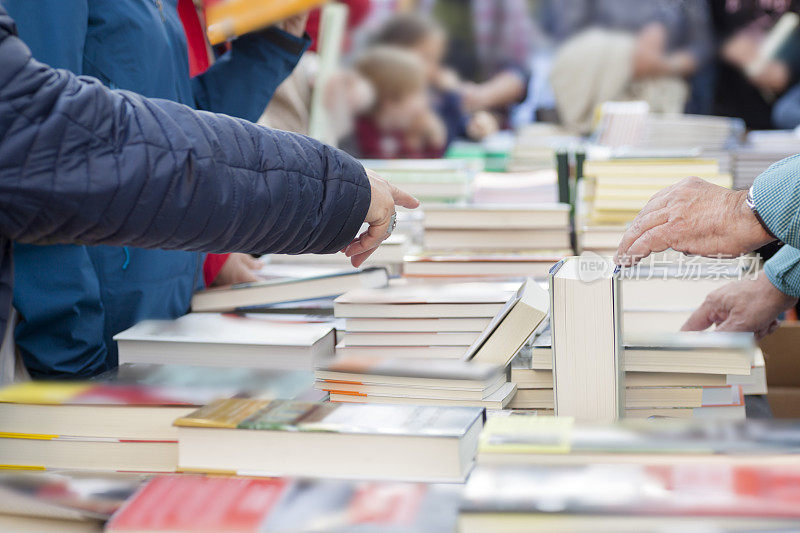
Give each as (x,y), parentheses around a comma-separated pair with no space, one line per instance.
(375,144)
(359,9)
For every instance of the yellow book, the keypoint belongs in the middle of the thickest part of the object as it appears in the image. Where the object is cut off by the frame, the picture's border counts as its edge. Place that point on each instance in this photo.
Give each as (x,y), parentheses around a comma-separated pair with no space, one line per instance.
(42,392)
(228,19)
(526,434)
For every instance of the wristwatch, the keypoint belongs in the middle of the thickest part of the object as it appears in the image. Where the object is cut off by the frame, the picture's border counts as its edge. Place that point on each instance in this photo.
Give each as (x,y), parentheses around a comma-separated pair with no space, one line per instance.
(752,205)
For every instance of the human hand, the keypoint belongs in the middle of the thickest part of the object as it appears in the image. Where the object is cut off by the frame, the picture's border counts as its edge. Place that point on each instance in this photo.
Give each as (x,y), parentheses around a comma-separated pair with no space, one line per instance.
(481,125)
(694,217)
(649,51)
(446,79)
(741,49)
(473,97)
(745,305)
(238,268)
(432,130)
(294,25)
(385,197)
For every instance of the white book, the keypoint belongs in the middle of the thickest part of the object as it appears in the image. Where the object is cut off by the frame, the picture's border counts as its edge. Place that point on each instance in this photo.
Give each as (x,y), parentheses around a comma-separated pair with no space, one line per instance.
(408,300)
(499,399)
(587,345)
(397,352)
(481,266)
(211,339)
(497,240)
(417,324)
(500,216)
(410,339)
(287,289)
(704,352)
(507,333)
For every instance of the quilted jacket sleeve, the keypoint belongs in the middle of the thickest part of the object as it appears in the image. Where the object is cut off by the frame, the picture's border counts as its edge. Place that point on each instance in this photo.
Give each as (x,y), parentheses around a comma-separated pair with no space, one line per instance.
(80,163)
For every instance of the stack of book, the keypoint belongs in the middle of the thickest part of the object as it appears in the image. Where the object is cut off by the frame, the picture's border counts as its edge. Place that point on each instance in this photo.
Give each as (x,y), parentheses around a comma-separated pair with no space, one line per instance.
(615,190)
(429,180)
(497,228)
(536,145)
(190,503)
(533,187)
(211,339)
(288,438)
(632,125)
(659,296)
(678,375)
(466,266)
(122,421)
(601,498)
(762,149)
(414,381)
(419,320)
(479,379)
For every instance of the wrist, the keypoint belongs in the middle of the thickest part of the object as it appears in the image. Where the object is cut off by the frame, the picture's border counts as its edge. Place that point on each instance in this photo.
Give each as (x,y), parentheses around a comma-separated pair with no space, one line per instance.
(752,228)
(782,301)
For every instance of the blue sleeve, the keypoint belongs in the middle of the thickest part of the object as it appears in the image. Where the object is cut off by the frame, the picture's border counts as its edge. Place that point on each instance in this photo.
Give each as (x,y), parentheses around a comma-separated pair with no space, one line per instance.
(242,81)
(776,194)
(80,163)
(54,30)
(783,271)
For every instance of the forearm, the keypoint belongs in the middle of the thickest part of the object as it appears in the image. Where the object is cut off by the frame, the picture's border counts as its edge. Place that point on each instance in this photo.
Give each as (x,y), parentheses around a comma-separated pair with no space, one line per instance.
(776,195)
(80,163)
(506,88)
(255,66)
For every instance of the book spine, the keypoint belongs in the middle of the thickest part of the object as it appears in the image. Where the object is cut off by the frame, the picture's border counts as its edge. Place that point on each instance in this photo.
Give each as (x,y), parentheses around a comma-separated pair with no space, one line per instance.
(619,351)
(552,290)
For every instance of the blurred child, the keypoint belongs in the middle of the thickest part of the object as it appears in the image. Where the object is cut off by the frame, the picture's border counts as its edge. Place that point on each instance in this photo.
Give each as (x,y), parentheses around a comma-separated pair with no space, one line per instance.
(428,40)
(400,123)
(346,95)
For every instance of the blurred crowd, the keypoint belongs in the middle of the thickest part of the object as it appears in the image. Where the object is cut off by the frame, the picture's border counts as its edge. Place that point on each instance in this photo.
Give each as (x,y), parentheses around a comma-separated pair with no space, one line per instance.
(419,74)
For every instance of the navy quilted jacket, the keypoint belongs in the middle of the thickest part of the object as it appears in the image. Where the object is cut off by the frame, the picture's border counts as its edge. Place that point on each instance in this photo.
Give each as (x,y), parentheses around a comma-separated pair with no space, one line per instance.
(82,164)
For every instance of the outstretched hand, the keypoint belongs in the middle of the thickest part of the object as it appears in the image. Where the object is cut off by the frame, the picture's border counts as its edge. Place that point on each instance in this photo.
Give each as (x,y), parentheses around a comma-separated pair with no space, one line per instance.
(694,217)
(745,305)
(385,197)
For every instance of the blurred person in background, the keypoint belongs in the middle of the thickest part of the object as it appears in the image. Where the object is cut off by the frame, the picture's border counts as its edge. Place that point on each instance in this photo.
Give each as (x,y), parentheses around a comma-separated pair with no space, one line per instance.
(490,44)
(685,25)
(346,94)
(755,95)
(73,299)
(400,123)
(427,39)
